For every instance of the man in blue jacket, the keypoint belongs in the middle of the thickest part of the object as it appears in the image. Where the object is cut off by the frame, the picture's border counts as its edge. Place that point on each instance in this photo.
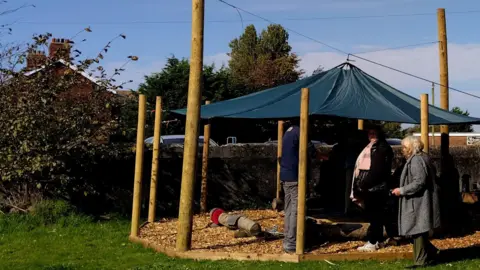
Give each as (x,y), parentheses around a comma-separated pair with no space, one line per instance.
(289,178)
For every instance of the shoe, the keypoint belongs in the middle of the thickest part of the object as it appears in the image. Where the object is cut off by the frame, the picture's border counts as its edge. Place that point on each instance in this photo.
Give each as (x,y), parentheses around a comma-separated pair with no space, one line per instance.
(391,242)
(369,247)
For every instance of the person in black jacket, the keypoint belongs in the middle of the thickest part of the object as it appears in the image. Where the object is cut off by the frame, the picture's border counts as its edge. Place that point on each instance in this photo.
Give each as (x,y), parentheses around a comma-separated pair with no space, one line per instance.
(371,185)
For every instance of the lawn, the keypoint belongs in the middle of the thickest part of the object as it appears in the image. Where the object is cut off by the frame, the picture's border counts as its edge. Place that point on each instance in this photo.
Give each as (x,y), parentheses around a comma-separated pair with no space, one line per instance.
(75,242)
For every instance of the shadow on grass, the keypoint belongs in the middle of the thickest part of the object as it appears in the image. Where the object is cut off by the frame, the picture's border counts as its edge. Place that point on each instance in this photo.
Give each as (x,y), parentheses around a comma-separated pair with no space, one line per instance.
(460,254)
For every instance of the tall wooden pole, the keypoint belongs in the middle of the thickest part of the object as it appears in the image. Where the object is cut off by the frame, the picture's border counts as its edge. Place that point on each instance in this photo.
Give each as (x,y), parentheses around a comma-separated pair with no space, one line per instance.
(360,124)
(185,216)
(152,208)
(206,148)
(302,171)
(443,55)
(424,121)
(137,186)
(433,104)
(279,155)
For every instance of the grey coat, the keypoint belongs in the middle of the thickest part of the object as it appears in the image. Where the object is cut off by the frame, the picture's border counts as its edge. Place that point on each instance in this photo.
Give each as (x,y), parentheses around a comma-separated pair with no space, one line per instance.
(419,210)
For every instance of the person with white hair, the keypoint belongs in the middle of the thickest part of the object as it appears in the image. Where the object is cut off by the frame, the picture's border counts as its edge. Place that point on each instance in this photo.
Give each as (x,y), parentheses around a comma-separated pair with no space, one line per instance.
(419,210)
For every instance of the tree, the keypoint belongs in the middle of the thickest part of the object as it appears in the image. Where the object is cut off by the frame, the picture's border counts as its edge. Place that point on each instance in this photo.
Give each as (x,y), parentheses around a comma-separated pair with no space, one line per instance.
(460,127)
(393,130)
(262,61)
(171,83)
(318,70)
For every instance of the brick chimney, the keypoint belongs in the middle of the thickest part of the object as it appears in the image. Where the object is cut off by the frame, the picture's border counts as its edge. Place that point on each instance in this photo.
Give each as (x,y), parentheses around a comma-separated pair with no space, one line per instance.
(35,59)
(59,49)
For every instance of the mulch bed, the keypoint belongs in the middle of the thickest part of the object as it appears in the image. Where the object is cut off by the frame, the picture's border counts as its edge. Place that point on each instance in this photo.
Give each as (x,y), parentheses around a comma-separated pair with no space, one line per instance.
(221,239)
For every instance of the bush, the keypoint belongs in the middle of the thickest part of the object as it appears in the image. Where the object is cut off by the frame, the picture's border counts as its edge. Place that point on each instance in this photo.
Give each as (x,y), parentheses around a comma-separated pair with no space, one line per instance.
(50,212)
(60,126)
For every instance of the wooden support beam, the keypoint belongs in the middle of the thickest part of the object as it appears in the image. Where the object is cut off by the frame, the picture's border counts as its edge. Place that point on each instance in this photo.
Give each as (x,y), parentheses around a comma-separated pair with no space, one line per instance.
(302,171)
(152,207)
(137,186)
(206,148)
(360,124)
(443,55)
(185,216)
(444,86)
(279,155)
(433,104)
(424,121)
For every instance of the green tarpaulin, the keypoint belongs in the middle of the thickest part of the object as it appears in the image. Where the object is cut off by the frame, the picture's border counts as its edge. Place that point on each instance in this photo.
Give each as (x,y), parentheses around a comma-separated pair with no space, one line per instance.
(343,91)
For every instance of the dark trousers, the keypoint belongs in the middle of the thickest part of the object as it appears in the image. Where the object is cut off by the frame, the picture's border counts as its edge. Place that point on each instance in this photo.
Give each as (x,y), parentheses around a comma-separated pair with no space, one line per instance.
(379,216)
(391,214)
(290,221)
(424,251)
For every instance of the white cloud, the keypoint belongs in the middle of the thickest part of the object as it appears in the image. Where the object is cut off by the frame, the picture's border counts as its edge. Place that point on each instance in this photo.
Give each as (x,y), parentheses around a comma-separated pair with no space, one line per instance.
(422,61)
(218,59)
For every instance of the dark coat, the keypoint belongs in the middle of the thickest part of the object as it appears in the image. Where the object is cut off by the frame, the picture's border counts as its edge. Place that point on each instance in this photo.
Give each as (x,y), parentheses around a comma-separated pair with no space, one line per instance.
(419,210)
(379,175)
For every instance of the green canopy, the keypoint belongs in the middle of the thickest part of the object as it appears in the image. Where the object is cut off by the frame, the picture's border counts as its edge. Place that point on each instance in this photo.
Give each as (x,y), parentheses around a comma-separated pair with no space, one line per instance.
(343,91)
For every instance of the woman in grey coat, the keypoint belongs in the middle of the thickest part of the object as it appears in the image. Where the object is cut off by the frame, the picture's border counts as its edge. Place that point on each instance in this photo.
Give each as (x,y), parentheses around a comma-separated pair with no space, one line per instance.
(419,211)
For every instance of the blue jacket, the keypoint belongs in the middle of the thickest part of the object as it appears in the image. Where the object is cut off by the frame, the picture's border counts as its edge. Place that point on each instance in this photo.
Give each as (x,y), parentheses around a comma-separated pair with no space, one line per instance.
(289,159)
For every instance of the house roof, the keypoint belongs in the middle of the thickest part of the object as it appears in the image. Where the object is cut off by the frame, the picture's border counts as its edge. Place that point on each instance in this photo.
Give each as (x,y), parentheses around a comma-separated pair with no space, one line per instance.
(343,91)
(74,68)
(125,93)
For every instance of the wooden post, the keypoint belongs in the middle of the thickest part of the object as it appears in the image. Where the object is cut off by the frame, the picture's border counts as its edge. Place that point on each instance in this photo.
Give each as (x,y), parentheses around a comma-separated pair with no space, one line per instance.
(360,124)
(152,207)
(185,215)
(137,186)
(424,121)
(206,147)
(279,155)
(433,104)
(443,55)
(302,171)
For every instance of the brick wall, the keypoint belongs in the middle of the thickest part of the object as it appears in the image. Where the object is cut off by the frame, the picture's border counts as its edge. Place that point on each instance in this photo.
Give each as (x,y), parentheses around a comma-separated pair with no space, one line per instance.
(454,140)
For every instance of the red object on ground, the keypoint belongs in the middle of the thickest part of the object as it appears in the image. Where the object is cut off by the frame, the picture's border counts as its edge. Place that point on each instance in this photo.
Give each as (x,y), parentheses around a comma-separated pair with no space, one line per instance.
(215,214)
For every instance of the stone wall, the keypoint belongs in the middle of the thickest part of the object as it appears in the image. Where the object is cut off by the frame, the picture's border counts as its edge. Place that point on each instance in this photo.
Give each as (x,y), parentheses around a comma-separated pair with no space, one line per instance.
(243,176)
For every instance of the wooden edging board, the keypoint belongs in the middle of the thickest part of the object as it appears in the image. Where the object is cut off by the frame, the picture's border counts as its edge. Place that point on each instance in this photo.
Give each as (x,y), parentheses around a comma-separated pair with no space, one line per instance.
(293,258)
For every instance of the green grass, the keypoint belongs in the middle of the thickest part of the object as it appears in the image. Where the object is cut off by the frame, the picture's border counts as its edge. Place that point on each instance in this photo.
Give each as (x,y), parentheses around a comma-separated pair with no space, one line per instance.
(75,242)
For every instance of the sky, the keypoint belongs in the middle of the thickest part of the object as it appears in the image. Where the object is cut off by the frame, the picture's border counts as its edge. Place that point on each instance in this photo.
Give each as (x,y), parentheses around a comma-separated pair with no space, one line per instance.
(158,29)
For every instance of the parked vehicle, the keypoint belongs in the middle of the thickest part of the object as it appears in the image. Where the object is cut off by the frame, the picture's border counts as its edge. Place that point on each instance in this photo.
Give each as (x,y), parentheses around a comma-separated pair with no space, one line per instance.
(394,141)
(177,140)
(231,140)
